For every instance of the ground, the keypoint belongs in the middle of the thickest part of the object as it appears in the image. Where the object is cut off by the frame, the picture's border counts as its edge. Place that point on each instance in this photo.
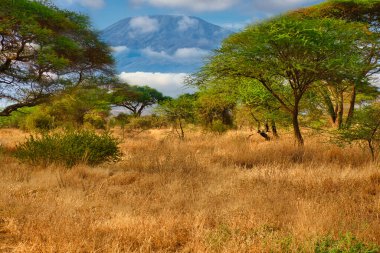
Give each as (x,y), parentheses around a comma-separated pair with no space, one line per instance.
(209,193)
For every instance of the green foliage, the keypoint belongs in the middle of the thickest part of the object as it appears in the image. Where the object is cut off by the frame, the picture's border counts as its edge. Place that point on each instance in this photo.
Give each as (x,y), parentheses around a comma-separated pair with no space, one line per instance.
(345,244)
(38,120)
(68,148)
(180,108)
(81,105)
(17,119)
(76,107)
(215,103)
(95,119)
(259,104)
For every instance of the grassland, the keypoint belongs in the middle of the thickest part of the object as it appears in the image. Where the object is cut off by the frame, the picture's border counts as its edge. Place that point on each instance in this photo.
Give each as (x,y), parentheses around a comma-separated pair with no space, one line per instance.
(209,193)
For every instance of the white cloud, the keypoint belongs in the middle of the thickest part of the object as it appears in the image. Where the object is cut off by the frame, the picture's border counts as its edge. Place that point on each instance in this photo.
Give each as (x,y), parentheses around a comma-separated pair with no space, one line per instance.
(142,25)
(95,4)
(188,54)
(149,52)
(240,25)
(196,5)
(119,49)
(170,84)
(186,22)
(278,5)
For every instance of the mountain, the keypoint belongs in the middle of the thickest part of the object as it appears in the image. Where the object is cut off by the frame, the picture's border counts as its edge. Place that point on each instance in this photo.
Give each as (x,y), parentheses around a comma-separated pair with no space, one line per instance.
(162,43)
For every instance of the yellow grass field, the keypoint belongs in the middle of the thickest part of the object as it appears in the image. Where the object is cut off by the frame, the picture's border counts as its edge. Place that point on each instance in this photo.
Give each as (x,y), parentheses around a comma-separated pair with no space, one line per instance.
(209,193)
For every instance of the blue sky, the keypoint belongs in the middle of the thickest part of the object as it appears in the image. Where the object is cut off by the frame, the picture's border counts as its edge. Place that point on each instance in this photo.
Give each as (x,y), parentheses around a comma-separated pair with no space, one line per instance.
(228,13)
(232,14)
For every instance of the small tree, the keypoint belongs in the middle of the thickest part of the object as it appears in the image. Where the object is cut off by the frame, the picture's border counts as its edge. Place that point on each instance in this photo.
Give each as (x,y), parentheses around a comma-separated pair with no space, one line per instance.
(178,111)
(135,98)
(214,107)
(365,128)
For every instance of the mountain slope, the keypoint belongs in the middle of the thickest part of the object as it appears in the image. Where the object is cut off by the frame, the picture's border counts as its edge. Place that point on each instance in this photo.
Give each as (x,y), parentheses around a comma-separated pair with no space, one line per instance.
(162,43)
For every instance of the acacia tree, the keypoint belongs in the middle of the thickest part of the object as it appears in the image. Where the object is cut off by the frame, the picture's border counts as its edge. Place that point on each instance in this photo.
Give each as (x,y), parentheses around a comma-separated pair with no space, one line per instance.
(43,50)
(135,98)
(368,13)
(287,56)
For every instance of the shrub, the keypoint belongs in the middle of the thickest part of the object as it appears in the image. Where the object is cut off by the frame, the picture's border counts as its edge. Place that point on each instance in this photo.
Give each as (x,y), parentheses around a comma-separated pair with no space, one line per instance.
(142,123)
(95,119)
(68,148)
(145,122)
(217,126)
(40,122)
(345,244)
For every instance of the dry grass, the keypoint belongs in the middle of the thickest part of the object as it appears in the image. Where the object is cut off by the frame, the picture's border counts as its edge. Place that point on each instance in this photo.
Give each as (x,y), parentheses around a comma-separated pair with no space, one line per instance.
(206,194)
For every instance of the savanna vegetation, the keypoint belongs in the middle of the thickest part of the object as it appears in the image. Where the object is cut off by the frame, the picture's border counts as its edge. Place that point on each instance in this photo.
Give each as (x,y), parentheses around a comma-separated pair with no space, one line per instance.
(277,151)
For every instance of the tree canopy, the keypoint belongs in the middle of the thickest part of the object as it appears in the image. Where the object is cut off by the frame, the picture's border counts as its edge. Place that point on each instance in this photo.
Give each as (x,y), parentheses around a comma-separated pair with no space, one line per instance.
(135,98)
(43,50)
(366,12)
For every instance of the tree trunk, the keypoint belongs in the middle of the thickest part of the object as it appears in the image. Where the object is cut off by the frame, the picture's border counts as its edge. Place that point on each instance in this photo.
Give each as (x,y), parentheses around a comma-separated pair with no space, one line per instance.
(350,114)
(257,120)
(371,149)
(266,126)
(274,129)
(182,133)
(264,135)
(330,108)
(296,126)
(339,122)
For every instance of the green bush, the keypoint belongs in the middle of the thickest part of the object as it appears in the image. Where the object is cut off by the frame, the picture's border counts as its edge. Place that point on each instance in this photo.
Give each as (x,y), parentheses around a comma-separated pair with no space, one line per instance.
(68,148)
(146,122)
(39,122)
(95,119)
(345,244)
(217,126)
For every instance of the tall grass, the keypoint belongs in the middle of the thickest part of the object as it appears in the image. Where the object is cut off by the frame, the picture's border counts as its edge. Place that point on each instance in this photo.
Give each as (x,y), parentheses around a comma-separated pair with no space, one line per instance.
(209,193)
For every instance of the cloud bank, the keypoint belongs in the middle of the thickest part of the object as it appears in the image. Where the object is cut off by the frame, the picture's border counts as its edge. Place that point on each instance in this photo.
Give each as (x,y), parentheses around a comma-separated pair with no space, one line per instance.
(186,23)
(280,5)
(170,84)
(143,25)
(191,54)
